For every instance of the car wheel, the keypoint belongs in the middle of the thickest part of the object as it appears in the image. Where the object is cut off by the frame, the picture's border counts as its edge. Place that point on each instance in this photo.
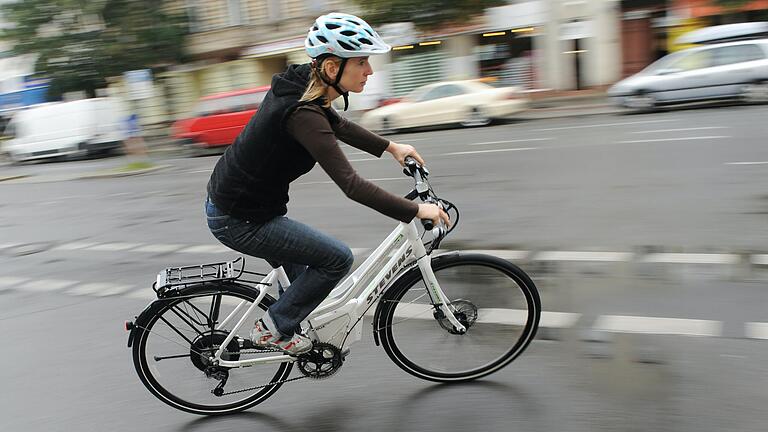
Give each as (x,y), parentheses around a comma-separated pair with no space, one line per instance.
(476,117)
(641,101)
(387,126)
(756,92)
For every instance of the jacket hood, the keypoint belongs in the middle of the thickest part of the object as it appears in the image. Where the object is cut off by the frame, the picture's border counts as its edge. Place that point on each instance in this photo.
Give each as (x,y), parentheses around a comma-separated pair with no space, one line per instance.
(293,81)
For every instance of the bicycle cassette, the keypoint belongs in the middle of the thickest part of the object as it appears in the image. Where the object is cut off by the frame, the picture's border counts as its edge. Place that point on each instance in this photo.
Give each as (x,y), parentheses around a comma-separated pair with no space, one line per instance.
(322,361)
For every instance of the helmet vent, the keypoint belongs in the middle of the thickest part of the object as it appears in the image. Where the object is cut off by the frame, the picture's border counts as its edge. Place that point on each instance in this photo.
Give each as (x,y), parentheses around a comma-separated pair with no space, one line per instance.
(365,41)
(369,32)
(348,33)
(331,26)
(322,39)
(347,46)
(353,22)
(314,28)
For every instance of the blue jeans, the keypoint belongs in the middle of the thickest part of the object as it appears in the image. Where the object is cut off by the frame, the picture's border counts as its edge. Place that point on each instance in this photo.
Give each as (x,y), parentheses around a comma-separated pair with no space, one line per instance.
(314,262)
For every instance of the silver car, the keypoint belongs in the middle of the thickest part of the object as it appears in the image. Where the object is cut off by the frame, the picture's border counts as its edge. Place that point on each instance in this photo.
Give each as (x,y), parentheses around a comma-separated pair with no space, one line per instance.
(707,72)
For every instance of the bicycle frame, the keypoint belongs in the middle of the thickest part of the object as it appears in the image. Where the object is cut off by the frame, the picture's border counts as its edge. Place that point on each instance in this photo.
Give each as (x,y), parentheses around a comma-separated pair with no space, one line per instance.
(337,319)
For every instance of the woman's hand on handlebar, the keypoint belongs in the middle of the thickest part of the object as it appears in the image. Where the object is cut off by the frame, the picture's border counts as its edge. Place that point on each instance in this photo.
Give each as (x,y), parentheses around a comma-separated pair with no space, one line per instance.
(402,151)
(433,213)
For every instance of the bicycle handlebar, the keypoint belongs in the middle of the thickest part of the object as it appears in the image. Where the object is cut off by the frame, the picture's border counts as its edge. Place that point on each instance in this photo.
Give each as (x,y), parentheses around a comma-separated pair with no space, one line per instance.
(423,190)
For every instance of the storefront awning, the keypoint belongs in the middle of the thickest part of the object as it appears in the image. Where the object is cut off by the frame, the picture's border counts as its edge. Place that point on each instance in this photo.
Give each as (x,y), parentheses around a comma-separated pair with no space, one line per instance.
(274,48)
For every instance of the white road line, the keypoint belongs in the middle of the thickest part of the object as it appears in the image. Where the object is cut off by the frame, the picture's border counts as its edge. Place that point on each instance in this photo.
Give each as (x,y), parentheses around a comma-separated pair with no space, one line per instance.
(74,246)
(760,259)
(405,141)
(682,129)
(363,160)
(207,249)
(756,330)
(603,125)
(142,294)
(200,171)
(673,139)
(747,163)
(511,141)
(584,256)
(512,317)
(159,248)
(99,289)
(11,281)
(47,285)
(691,258)
(510,255)
(114,247)
(655,325)
(490,151)
(8,245)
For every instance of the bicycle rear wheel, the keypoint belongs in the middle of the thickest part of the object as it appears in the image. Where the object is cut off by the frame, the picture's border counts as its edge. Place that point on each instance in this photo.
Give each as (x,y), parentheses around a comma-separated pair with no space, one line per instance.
(493,298)
(172,346)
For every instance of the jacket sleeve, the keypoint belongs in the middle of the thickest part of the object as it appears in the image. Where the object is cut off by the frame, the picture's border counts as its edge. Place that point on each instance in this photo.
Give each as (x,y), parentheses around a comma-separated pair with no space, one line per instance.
(312,130)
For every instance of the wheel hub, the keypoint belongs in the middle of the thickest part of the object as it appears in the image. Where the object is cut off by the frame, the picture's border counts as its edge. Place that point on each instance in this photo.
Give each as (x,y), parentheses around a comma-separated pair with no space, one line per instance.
(465,312)
(205,346)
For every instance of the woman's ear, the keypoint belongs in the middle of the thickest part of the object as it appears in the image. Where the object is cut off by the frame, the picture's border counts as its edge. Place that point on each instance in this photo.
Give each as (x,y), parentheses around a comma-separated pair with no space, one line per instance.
(331,69)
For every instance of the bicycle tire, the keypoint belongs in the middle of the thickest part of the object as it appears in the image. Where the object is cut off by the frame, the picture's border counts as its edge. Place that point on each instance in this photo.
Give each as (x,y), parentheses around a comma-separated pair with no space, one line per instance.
(452,272)
(144,366)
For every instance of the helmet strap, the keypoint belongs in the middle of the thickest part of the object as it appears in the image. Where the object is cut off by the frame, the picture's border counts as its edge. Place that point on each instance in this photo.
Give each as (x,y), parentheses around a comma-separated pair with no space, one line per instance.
(335,83)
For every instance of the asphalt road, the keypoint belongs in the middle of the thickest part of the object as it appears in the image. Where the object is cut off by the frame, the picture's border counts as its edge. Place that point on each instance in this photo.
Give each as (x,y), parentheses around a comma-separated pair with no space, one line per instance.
(645,234)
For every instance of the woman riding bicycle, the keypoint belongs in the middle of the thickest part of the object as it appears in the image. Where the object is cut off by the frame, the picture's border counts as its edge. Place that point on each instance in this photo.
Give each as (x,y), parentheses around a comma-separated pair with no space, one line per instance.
(294,128)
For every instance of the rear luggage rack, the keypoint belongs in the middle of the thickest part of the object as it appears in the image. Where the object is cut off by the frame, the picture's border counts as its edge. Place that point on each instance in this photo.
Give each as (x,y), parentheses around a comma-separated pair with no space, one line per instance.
(213,272)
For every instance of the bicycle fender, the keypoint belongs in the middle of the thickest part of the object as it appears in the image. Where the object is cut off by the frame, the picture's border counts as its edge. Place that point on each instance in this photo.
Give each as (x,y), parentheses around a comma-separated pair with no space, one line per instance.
(138,322)
(404,277)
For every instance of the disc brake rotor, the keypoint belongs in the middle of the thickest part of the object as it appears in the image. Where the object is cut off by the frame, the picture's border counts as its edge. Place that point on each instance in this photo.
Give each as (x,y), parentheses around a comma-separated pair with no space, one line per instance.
(205,346)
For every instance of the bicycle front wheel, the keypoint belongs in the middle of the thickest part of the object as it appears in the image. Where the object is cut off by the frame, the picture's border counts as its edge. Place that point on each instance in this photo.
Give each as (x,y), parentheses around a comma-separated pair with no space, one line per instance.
(172,348)
(494,299)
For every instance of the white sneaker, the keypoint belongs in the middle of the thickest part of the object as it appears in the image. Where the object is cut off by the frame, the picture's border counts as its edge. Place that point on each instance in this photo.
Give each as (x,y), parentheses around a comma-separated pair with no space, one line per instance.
(297,344)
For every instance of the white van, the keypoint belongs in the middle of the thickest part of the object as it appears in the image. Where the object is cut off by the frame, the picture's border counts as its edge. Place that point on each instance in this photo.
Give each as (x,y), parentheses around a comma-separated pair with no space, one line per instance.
(80,127)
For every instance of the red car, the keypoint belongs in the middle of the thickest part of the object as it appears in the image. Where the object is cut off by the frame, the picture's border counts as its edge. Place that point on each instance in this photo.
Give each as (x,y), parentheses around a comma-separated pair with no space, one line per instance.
(219,118)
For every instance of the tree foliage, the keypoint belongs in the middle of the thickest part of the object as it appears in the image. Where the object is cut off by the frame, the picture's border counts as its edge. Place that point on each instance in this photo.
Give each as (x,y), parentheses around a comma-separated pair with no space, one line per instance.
(80,43)
(425,14)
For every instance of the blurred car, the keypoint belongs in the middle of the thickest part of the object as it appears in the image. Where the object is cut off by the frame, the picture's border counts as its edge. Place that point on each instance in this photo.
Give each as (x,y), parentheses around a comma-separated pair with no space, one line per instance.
(468,103)
(219,118)
(708,72)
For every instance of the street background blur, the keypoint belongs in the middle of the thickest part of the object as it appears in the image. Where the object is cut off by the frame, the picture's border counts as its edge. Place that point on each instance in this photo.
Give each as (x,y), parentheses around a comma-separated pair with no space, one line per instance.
(646,233)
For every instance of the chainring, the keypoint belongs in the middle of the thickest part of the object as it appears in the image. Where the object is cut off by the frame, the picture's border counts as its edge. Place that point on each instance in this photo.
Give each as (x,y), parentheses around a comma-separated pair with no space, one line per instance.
(205,346)
(322,361)
(466,314)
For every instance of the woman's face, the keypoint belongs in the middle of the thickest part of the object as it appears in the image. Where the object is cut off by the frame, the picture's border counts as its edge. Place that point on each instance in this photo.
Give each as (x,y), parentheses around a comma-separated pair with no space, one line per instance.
(355,75)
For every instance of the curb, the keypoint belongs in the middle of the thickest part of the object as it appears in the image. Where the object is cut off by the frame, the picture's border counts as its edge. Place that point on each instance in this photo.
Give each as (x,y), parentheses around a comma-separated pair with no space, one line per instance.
(113,174)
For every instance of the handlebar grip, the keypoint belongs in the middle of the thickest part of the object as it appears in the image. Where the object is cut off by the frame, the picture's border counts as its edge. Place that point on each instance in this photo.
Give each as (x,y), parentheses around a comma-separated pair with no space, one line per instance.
(428,224)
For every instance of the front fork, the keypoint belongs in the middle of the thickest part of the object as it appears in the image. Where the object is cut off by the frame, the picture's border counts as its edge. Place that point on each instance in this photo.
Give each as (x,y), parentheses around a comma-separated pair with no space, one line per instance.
(439,300)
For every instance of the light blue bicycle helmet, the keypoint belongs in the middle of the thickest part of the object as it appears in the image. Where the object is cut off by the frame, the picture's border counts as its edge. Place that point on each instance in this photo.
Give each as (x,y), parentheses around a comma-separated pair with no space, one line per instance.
(345,36)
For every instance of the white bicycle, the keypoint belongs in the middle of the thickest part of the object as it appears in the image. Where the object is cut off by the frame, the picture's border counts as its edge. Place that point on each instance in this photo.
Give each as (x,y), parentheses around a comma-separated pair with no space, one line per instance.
(445,317)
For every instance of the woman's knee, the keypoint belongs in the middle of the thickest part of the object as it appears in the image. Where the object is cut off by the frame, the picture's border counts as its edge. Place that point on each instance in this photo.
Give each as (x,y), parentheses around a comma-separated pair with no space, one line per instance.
(342,261)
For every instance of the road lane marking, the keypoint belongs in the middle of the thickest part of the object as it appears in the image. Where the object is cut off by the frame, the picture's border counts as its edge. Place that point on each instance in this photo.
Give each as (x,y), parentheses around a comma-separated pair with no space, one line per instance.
(511,141)
(512,317)
(43,285)
(363,160)
(490,151)
(756,330)
(74,246)
(509,255)
(206,249)
(603,125)
(691,258)
(114,247)
(747,163)
(159,248)
(11,281)
(674,139)
(656,325)
(200,171)
(760,259)
(682,129)
(99,289)
(584,256)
